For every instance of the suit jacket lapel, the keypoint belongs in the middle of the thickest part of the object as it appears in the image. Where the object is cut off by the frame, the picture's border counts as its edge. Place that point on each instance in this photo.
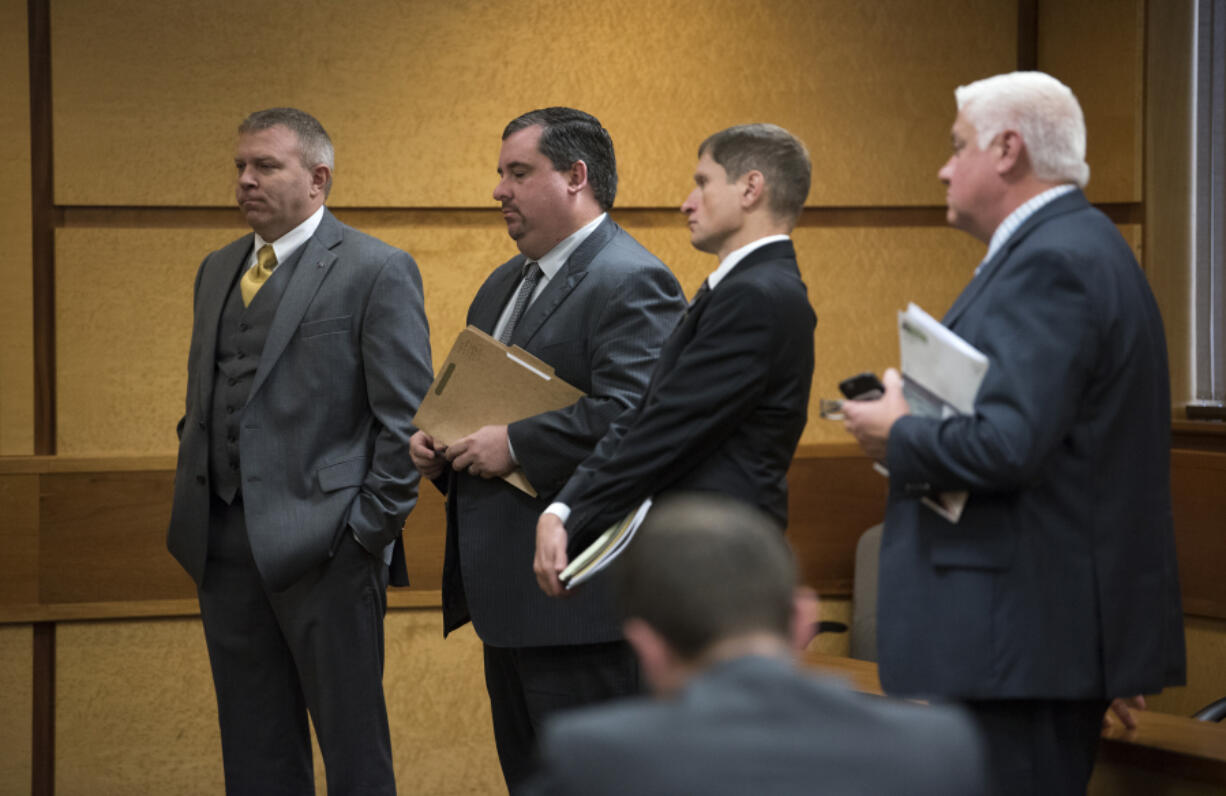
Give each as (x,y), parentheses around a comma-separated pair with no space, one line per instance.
(316,261)
(215,285)
(1065,204)
(563,282)
(484,313)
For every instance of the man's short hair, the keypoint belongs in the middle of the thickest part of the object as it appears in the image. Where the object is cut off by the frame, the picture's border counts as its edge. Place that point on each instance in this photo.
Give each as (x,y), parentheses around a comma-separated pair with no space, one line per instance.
(704,568)
(569,135)
(1042,109)
(768,148)
(314,145)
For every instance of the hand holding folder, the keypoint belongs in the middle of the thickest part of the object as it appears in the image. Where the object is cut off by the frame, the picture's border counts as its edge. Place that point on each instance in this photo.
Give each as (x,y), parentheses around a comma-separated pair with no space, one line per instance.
(484,382)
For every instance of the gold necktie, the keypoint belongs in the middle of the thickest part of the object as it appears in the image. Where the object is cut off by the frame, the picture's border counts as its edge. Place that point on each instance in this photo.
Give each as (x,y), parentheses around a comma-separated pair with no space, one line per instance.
(265,261)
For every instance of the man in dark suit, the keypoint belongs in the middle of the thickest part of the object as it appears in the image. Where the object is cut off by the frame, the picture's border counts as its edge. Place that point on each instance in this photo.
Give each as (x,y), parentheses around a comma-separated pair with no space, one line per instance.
(1057,590)
(708,592)
(309,356)
(729,396)
(586,298)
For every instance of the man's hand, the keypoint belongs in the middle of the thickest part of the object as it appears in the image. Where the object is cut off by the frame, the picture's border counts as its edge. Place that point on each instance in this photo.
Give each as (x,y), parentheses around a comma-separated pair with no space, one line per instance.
(483,453)
(1123,707)
(870,421)
(427,456)
(550,557)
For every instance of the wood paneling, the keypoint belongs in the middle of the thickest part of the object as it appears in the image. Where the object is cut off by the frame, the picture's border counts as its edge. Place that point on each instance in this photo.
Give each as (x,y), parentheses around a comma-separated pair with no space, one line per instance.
(19,538)
(832,500)
(415,94)
(16,273)
(16,707)
(100,527)
(1096,47)
(1198,493)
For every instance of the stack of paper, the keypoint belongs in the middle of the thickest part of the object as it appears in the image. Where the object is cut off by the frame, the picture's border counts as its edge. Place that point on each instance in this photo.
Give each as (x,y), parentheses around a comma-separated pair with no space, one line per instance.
(600,553)
(941,377)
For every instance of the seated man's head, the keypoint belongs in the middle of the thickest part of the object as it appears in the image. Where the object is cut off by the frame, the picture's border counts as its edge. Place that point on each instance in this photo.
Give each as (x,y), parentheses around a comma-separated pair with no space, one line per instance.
(709,578)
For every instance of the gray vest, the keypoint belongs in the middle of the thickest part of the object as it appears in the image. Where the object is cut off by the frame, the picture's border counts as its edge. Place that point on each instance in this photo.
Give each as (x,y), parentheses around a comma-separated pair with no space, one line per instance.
(240,341)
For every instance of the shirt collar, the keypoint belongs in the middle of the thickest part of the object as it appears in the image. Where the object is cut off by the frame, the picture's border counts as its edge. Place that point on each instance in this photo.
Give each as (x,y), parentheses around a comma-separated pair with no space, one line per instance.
(288,243)
(1019,216)
(734,259)
(556,257)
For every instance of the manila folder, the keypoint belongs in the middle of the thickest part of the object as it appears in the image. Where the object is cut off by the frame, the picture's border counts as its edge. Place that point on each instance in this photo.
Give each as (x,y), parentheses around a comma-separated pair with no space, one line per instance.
(483,383)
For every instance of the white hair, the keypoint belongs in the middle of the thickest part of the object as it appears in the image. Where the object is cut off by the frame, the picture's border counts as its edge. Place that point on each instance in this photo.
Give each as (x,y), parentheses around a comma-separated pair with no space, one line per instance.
(1039,107)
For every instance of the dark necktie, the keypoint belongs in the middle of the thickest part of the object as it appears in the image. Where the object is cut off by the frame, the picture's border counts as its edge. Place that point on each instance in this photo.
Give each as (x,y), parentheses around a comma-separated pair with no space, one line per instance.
(703,291)
(532,275)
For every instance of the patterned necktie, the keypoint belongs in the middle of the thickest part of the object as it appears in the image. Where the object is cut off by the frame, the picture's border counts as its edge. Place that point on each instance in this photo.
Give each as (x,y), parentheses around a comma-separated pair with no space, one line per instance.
(532,275)
(258,274)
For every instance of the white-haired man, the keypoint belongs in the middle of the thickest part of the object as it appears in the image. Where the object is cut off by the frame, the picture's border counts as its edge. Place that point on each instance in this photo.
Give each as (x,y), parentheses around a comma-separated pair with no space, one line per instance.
(1057,591)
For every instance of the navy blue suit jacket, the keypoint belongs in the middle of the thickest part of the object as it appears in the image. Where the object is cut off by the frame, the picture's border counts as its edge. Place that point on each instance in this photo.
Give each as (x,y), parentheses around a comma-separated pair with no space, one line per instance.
(1060,580)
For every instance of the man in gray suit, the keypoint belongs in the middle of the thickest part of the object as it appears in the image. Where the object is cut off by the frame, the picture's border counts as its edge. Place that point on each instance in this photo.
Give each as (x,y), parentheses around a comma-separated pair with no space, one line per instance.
(309,356)
(708,592)
(586,298)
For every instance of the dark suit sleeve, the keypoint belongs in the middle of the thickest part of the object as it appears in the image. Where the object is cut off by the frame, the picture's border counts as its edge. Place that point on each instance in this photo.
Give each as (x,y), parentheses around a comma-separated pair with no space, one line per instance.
(191,352)
(715,384)
(396,362)
(1040,344)
(622,348)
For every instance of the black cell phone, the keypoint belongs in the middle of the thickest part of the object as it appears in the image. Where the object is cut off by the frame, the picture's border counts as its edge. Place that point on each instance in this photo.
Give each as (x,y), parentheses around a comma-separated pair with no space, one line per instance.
(862,387)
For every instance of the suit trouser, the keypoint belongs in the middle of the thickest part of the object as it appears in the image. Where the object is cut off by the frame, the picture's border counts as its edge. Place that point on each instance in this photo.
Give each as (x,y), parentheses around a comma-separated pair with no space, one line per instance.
(316,646)
(1039,747)
(527,684)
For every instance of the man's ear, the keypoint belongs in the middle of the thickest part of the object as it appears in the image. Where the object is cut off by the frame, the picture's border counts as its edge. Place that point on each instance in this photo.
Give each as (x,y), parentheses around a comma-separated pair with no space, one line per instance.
(1013,156)
(806,609)
(576,177)
(320,174)
(659,662)
(753,189)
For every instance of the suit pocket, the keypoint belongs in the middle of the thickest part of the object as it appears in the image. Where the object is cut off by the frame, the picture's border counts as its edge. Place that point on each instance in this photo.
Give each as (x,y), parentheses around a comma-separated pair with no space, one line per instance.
(336,325)
(985,537)
(338,475)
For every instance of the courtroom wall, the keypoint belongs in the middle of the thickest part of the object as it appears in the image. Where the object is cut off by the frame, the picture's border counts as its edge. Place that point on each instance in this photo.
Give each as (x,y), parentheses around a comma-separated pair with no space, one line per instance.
(146,96)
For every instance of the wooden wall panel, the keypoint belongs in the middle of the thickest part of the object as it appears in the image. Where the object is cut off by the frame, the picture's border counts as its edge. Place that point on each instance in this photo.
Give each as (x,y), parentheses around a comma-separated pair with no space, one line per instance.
(16,271)
(16,704)
(832,500)
(103,539)
(416,93)
(19,538)
(1198,492)
(1097,47)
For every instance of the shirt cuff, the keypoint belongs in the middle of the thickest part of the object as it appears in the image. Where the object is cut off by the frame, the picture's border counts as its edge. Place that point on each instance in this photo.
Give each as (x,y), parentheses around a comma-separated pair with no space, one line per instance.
(559,510)
(511,451)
